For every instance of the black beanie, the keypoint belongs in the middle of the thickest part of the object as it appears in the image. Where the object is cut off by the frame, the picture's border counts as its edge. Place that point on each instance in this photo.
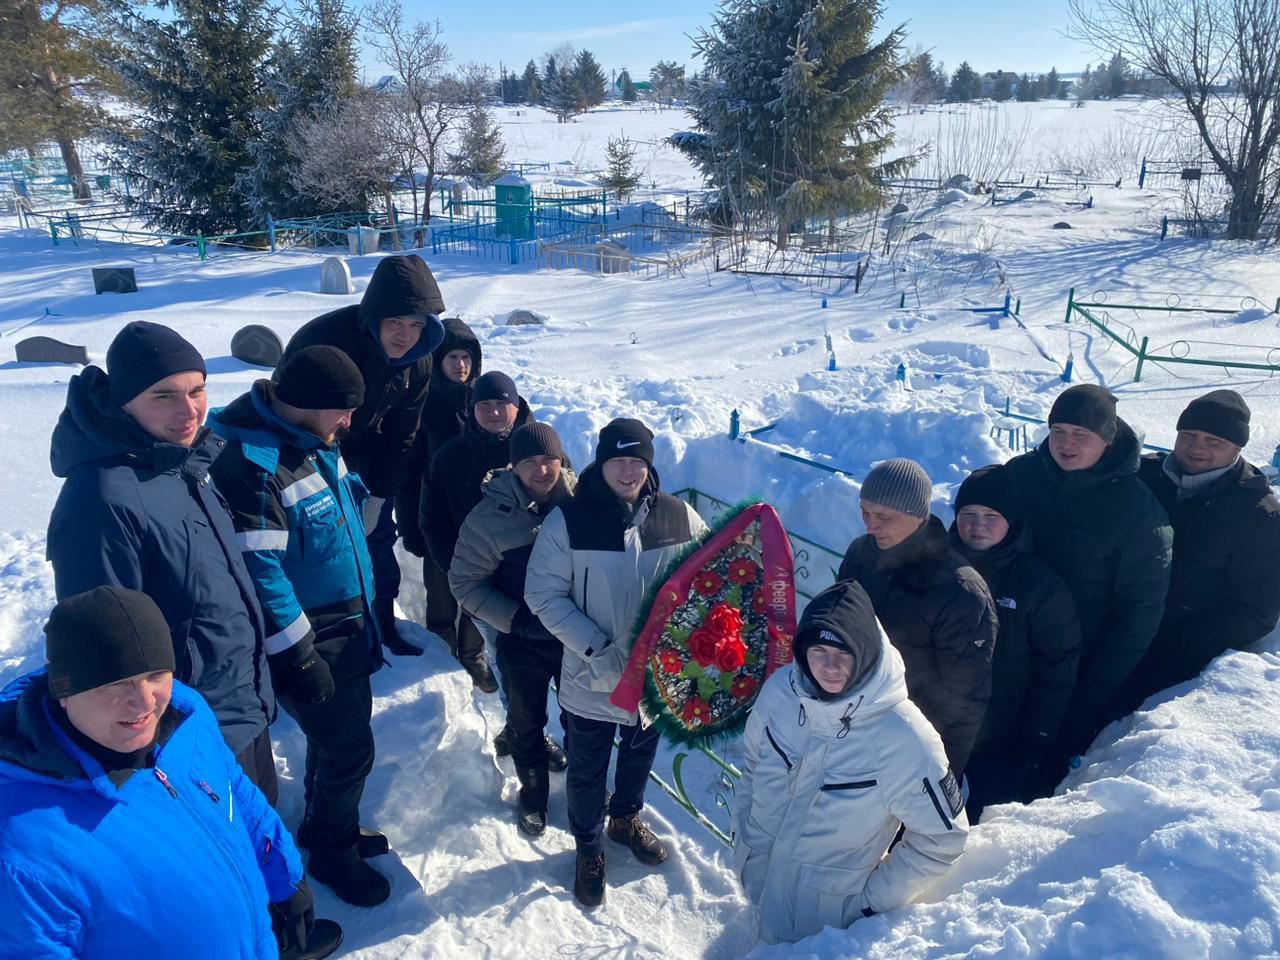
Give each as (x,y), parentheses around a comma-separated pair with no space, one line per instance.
(840,616)
(495,385)
(625,438)
(1222,413)
(144,353)
(320,378)
(1086,405)
(535,440)
(990,487)
(104,635)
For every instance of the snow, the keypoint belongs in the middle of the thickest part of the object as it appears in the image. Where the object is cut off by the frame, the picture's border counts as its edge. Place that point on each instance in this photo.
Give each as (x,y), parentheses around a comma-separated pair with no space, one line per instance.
(1166,841)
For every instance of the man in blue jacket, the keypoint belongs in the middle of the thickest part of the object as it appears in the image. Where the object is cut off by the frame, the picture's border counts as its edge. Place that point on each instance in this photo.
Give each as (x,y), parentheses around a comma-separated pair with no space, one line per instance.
(127,829)
(138,510)
(297,510)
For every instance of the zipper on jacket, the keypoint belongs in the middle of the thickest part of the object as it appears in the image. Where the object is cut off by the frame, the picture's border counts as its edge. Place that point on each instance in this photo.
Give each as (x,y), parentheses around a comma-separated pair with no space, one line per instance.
(928,788)
(849,785)
(586,580)
(208,792)
(164,782)
(774,743)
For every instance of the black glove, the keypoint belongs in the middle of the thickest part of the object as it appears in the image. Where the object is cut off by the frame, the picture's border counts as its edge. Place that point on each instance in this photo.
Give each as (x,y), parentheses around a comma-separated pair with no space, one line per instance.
(293,920)
(302,673)
(524,623)
(415,544)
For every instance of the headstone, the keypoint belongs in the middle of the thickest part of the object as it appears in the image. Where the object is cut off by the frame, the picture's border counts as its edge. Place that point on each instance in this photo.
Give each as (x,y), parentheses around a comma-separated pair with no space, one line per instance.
(521,318)
(114,280)
(1026,195)
(49,350)
(959,182)
(258,345)
(921,237)
(335,277)
(899,208)
(1062,225)
(614,257)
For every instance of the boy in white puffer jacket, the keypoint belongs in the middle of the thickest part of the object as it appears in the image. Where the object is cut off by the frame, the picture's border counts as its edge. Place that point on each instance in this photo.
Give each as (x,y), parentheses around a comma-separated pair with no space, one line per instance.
(837,759)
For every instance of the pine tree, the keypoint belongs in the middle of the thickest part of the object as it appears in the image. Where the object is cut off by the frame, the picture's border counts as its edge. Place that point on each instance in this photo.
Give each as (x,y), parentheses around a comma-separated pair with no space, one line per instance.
(795,124)
(1026,90)
(628,88)
(481,155)
(198,78)
(561,95)
(620,155)
(966,85)
(1117,78)
(531,83)
(589,79)
(312,70)
(1003,89)
(1052,84)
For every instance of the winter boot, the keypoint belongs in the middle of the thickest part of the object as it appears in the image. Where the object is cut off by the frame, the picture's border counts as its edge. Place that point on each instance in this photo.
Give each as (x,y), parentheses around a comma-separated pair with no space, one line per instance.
(631,832)
(326,937)
(588,880)
(535,787)
(384,611)
(481,675)
(557,760)
(502,742)
(372,844)
(354,881)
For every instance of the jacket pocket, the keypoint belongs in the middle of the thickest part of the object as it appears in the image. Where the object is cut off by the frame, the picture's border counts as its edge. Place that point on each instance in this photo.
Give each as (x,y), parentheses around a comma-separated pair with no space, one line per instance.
(820,897)
(843,785)
(777,749)
(606,666)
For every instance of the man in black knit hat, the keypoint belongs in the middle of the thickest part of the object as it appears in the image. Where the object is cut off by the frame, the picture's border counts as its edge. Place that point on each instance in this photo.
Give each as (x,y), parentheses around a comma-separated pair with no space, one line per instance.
(138,510)
(1224,592)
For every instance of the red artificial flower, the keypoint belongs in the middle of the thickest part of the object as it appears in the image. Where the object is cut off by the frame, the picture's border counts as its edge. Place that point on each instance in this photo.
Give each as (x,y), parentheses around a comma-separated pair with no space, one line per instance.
(724,621)
(743,687)
(708,583)
(731,653)
(671,661)
(696,712)
(760,603)
(742,571)
(702,645)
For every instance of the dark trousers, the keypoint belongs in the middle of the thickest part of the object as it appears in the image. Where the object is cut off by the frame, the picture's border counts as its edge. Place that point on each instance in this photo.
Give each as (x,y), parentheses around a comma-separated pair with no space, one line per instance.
(259,765)
(446,620)
(339,758)
(993,778)
(381,541)
(528,667)
(589,744)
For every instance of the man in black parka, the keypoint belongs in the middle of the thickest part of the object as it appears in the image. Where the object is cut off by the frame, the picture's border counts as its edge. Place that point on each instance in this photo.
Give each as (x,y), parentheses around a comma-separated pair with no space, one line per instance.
(934,607)
(1099,527)
(390,335)
(1224,592)
(1037,649)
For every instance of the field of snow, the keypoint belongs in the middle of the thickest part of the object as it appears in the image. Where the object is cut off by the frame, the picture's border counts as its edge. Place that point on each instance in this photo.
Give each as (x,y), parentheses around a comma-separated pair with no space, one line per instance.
(1166,843)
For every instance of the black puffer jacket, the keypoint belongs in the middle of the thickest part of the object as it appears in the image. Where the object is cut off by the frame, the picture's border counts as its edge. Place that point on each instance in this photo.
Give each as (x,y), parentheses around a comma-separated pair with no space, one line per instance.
(938,614)
(1037,652)
(453,483)
(384,426)
(1105,534)
(1224,591)
(442,418)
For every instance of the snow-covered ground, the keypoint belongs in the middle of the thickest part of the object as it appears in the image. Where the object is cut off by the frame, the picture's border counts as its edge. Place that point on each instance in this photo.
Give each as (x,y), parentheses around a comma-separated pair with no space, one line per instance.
(1166,843)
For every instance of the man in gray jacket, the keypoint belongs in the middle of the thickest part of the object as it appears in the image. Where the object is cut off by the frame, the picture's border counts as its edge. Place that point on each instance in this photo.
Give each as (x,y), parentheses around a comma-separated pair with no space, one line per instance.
(593,562)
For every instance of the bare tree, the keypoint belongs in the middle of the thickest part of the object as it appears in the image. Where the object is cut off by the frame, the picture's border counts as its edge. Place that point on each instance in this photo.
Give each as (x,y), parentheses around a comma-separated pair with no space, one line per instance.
(1222,58)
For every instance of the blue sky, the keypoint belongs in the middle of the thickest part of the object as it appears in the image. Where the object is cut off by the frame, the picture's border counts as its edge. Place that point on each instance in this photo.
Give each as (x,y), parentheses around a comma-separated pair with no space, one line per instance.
(1008,35)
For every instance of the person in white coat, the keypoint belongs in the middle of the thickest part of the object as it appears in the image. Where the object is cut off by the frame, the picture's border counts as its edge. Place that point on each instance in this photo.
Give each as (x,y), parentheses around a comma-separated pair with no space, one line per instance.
(838,760)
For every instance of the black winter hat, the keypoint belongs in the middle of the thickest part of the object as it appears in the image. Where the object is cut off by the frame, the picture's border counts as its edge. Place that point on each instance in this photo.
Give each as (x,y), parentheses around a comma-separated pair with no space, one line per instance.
(1086,405)
(320,378)
(104,635)
(840,616)
(535,440)
(495,385)
(990,487)
(144,353)
(625,438)
(1222,413)
(458,336)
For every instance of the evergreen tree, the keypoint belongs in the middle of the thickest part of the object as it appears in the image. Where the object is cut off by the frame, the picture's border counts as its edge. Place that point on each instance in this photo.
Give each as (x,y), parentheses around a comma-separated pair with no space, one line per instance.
(550,76)
(628,88)
(667,78)
(561,95)
(1003,88)
(1085,90)
(795,124)
(1117,78)
(1052,84)
(531,83)
(313,68)
(622,179)
(966,85)
(1026,90)
(589,79)
(481,155)
(198,77)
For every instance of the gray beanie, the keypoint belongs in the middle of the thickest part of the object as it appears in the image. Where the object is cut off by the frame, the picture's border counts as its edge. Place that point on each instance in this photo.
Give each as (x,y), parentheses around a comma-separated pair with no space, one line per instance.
(899,484)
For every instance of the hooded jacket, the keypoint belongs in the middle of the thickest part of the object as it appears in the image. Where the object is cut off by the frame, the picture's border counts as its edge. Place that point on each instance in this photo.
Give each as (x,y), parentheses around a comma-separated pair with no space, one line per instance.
(442,418)
(592,565)
(1107,536)
(139,513)
(938,613)
(297,513)
(1224,586)
(825,788)
(383,428)
(453,483)
(177,859)
(491,561)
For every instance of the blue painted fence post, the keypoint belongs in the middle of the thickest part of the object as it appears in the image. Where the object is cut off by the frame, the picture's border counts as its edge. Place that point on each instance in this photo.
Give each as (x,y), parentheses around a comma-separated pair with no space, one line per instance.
(515,251)
(1164,227)
(1142,174)
(1071,303)
(1066,371)
(735,425)
(271,232)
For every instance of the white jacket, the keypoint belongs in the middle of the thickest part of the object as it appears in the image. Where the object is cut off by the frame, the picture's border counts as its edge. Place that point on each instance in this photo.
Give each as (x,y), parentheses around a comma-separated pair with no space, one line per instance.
(826,786)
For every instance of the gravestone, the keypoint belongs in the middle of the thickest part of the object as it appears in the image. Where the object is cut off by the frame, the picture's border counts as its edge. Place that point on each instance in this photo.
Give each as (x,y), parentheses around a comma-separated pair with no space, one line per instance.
(114,280)
(522,318)
(614,257)
(960,182)
(1026,195)
(335,276)
(899,208)
(1062,225)
(919,237)
(257,345)
(49,350)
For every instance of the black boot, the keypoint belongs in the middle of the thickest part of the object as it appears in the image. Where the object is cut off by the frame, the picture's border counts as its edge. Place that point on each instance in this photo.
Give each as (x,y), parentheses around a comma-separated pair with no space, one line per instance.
(557,760)
(325,938)
(631,832)
(354,881)
(481,675)
(502,742)
(372,844)
(535,786)
(384,611)
(588,880)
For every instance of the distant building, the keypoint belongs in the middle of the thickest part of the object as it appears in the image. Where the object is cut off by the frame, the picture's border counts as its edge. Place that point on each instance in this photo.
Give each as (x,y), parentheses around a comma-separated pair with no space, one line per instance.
(388,84)
(991,80)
